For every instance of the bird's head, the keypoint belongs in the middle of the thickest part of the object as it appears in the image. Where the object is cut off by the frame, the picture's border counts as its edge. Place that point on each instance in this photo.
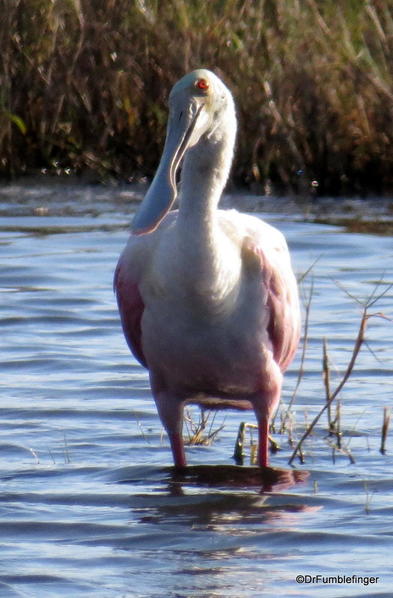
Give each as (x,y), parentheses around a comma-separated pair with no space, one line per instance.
(198,105)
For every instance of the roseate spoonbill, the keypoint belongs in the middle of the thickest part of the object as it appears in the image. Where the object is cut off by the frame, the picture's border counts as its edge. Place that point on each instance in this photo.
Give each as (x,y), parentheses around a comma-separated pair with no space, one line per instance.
(207,297)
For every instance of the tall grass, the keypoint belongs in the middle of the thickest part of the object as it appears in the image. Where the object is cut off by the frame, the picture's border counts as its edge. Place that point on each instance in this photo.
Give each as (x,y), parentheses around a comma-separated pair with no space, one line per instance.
(84,85)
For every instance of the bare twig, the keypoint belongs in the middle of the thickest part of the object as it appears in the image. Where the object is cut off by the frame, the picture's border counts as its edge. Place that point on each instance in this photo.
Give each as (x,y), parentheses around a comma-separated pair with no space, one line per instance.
(200,433)
(307,272)
(66,453)
(335,429)
(326,382)
(238,453)
(369,496)
(357,346)
(345,451)
(337,425)
(385,429)
(240,444)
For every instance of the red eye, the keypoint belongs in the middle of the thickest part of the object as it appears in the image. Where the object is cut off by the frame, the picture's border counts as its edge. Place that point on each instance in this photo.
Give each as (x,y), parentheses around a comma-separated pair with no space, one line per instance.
(202,84)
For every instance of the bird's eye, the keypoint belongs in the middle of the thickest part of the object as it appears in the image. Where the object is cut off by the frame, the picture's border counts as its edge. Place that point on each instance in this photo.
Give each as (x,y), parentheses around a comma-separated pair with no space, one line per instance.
(202,84)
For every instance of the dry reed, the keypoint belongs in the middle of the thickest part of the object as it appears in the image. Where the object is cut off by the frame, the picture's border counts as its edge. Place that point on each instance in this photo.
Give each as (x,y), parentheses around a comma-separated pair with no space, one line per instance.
(385,429)
(331,396)
(84,86)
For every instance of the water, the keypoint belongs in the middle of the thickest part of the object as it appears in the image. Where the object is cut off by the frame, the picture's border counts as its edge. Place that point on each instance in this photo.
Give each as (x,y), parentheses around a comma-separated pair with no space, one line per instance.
(89,502)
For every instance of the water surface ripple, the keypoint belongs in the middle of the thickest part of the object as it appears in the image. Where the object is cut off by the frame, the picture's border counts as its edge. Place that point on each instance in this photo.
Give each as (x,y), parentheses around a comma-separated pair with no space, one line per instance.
(89,503)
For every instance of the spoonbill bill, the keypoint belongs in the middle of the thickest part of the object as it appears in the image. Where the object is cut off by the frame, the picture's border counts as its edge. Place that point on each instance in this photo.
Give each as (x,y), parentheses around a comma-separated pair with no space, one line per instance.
(207,297)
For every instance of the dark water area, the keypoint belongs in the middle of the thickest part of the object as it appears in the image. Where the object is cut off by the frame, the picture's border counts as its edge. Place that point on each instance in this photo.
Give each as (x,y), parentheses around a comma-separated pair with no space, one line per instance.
(89,502)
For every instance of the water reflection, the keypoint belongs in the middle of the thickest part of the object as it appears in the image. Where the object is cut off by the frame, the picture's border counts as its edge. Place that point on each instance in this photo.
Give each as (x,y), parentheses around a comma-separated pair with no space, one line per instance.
(268,479)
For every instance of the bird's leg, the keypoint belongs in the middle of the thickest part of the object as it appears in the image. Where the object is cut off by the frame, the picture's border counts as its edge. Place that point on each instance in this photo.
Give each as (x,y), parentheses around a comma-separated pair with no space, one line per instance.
(263,441)
(177,446)
(265,404)
(170,411)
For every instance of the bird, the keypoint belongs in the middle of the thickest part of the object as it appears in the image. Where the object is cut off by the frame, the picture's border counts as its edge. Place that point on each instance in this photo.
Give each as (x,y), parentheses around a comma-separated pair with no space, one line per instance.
(207,297)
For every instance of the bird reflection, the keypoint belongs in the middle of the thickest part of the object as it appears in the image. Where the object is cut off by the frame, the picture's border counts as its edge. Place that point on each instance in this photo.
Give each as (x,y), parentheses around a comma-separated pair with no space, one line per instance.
(267,479)
(220,497)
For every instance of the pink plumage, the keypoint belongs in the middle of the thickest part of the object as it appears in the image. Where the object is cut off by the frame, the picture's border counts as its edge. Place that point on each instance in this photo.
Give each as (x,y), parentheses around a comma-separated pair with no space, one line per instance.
(207,297)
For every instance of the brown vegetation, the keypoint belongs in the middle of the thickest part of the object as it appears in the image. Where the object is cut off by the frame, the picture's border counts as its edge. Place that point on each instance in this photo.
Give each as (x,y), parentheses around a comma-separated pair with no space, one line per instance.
(84,86)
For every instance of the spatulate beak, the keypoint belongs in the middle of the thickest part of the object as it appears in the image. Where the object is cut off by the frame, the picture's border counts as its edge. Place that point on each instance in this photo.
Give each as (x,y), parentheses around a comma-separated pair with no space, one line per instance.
(162,191)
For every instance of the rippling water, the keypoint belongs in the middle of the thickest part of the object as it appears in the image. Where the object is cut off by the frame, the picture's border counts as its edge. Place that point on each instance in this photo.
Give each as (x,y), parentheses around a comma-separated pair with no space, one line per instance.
(89,504)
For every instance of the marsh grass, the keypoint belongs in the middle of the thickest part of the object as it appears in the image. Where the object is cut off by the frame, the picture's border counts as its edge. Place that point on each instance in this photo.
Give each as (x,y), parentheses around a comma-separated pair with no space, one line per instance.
(336,440)
(201,430)
(84,86)
(385,429)
(334,425)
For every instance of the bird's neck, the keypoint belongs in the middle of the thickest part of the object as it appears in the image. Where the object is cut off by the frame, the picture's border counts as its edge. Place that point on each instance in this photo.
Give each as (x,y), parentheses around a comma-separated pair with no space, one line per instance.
(205,172)
(204,175)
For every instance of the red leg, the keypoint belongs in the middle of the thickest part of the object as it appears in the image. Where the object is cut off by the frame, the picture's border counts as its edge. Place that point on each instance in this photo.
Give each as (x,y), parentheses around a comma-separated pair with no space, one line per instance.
(263,442)
(177,446)
(170,411)
(265,404)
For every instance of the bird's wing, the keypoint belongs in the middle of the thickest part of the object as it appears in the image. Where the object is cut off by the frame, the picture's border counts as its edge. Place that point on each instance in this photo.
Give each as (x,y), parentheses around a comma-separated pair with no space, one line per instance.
(283,327)
(268,256)
(131,309)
